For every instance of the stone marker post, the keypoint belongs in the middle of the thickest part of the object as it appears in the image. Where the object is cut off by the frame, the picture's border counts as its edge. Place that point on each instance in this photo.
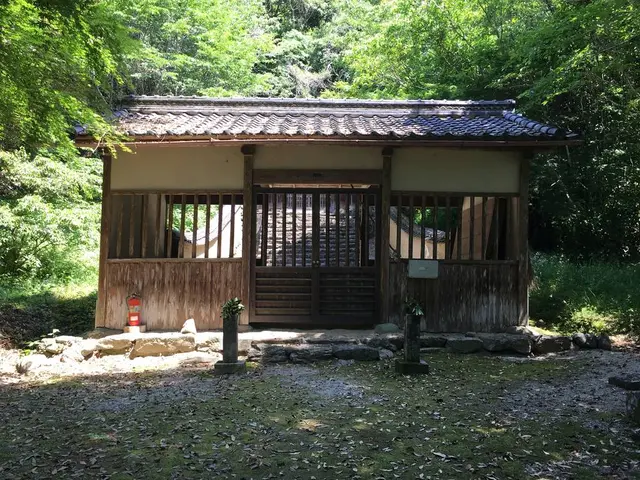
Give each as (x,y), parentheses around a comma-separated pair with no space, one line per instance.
(411,364)
(230,363)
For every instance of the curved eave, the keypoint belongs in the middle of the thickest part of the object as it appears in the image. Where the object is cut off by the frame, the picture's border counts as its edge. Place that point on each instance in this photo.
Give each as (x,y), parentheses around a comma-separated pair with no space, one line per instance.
(468,142)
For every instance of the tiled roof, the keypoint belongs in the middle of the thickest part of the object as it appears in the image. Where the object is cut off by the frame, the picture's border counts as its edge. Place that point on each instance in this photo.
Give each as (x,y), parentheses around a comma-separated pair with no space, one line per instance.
(155,116)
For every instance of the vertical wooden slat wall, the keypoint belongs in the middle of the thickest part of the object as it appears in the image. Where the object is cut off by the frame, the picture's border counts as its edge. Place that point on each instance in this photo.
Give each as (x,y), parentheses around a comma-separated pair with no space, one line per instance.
(482,271)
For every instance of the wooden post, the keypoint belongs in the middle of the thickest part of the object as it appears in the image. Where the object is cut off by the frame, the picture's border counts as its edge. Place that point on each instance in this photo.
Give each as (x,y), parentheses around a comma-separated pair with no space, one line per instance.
(105,231)
(385,202)
(523,247)
(247,230)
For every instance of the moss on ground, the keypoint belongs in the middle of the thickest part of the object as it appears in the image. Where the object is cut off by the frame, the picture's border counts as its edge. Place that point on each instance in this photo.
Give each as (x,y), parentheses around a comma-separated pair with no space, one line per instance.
(325,422)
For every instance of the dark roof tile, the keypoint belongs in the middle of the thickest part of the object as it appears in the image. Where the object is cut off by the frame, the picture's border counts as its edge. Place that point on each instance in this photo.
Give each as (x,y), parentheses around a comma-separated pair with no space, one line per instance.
(418,119)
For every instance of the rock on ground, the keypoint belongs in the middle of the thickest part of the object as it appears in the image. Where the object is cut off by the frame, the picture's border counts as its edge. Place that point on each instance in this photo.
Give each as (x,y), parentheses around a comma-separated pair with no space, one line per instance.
(116,344)
(628,382)
(549,344)
(30,363)
(269,353)
(384,342)
(604,342)
(432,341)
(633,406)
(208,341)
(356,352)
(387,328)
(189,327)
(163,344)
(385,354)
(87,347)
(195,358)
(521,330)
(310,353)
(504,342)
(585,340)
(72,355)
(50,347)
(464,344)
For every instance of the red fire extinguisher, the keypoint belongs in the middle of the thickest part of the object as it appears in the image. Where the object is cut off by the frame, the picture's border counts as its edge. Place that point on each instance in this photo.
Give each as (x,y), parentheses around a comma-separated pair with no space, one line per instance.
(133,306)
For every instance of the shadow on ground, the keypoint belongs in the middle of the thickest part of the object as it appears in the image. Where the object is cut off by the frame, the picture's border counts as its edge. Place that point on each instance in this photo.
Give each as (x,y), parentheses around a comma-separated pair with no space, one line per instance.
(325,421)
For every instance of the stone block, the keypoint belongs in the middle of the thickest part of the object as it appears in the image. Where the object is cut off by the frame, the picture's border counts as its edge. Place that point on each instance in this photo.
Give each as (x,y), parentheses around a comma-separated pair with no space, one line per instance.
(67,340)
(627,382)
(197,358)
(223,368)
(385,354)
(432,340)
(269,353)
(464,344)
(504,342)
(356,352)
(604,342)
(72,355)
(585,340)
(386,328)
(551,344)
(310,353)
(116,344)
(88,346)
(633,406)
(412,368)
(153,345)
(189,326)
(381,342)
(208,341)
(244,345)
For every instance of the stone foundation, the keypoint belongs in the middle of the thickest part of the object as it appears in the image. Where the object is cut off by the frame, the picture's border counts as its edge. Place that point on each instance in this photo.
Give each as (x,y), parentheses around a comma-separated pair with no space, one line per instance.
(299,346)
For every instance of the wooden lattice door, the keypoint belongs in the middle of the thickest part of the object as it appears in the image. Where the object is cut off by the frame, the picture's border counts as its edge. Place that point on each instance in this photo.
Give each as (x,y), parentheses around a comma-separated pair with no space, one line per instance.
(315,260)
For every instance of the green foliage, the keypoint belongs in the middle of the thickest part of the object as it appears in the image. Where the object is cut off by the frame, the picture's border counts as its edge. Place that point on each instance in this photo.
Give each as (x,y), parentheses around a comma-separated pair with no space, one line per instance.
(57,63)
(29,311)
(48,217)
(413,307)
(570,63)
(591,297)
(193,47)
(232,308)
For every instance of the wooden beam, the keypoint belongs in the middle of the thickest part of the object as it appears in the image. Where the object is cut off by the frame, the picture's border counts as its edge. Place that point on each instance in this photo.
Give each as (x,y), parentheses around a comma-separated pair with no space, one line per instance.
(316,177)
(248,221)
(105,231)
(523,247)
(385,202)
(354,140)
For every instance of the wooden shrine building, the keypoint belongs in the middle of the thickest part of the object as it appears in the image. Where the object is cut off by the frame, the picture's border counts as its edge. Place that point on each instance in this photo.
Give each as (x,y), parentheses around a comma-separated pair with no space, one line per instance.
(319,213)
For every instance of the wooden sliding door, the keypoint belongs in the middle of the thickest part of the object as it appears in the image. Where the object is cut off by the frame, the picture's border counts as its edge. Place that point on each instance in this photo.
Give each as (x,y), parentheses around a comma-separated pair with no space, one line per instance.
(316,256)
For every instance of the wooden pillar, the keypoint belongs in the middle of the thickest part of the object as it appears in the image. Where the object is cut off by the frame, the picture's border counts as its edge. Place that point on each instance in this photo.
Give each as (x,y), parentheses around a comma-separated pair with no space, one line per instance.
(523,241)
(248,222)
(385,202)
(105,230)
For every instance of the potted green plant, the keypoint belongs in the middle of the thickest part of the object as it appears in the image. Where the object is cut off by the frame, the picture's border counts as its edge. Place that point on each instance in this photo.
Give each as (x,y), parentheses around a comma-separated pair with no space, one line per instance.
(413,308)
(231,309)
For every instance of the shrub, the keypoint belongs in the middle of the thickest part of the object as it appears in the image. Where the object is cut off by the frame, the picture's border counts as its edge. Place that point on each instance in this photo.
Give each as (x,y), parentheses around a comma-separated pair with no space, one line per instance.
(594,297)
(49,214)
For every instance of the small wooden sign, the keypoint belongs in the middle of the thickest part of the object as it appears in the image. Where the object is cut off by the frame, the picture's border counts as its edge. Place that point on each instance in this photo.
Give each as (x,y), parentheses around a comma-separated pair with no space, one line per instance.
(423,269)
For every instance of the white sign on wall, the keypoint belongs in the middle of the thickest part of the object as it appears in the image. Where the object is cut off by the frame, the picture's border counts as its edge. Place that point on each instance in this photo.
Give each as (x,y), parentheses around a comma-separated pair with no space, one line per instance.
(423,269)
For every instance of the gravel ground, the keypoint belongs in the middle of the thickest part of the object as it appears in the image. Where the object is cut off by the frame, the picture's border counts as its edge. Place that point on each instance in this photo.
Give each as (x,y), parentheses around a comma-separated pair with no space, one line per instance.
(588,390)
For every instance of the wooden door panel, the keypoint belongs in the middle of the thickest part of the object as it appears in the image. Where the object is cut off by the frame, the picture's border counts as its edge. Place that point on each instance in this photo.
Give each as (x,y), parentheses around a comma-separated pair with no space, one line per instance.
(316,257)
